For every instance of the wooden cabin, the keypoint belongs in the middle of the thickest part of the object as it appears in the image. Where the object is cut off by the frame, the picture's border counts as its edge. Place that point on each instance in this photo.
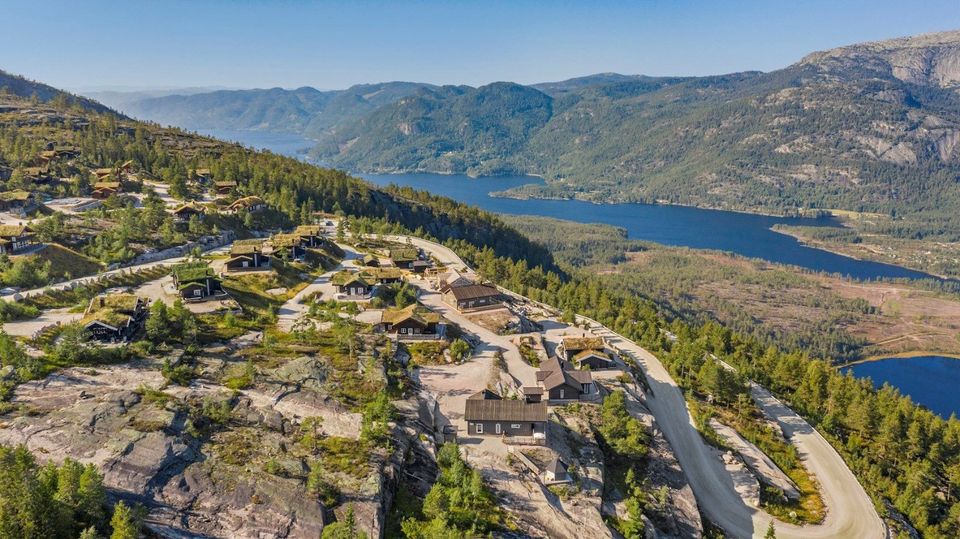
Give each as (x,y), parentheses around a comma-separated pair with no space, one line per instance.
(557,381)
(246,255)
(195,281)
(351,284)
(19,202)
(225,187)
(471,296)
(15,238)
(114,317)
(249,204)
(489,415)
(411,321)
(404,257)
(102,190)
(187,211)
(586,352)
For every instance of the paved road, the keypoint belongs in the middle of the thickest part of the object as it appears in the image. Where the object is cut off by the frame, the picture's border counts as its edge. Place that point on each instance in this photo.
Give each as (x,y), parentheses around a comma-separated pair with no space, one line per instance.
(850,512)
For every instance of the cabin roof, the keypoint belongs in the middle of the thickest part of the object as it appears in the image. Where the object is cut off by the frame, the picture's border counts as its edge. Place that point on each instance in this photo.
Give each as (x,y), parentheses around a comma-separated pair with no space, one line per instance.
(16,195)
(576,344)
(410,312)
(505,410)
(343,278)
(14,230)
(192,271)
(473,291)
(246,247)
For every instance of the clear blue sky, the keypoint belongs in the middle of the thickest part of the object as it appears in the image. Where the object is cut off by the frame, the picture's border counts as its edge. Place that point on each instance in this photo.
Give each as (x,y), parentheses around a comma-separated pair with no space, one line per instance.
(245,43)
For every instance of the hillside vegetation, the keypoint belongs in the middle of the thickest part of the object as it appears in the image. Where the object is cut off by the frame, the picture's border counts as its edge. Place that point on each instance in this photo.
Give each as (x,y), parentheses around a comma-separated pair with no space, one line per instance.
(871,127)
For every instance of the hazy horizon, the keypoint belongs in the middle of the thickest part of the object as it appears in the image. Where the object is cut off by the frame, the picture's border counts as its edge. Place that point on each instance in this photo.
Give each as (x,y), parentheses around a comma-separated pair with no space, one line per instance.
(149,46)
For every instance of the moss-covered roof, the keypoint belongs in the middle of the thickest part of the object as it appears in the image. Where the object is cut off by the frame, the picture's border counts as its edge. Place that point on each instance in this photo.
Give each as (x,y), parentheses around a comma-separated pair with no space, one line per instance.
(18,194)
(192,271)
(575,344)
(343,278)
(406,253)
(14,230)
(378,274)
(415,312)
(113,309)
(247,202)
(309,230)
(246,247)
(285,240)
(118,302)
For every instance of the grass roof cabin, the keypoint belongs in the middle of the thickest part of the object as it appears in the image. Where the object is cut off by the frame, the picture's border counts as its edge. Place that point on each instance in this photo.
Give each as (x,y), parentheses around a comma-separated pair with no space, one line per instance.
(351,284)
(114,317)
(412,320)
(247,254)
(196,281)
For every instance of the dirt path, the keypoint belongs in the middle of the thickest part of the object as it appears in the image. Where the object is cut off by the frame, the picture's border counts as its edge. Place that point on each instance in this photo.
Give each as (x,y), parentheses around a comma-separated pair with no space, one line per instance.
(294,308)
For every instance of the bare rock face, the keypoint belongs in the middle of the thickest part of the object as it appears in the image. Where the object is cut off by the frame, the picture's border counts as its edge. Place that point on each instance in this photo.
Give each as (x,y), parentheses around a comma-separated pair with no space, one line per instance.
(191,486)
(929,59)
(680,516)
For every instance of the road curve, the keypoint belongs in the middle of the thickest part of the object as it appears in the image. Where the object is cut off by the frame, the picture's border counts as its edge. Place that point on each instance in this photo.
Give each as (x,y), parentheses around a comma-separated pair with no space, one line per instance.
(850,512)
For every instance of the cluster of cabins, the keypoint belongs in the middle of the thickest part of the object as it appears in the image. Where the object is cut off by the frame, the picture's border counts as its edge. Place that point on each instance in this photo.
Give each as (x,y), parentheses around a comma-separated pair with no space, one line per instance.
(256,254)
(565,377)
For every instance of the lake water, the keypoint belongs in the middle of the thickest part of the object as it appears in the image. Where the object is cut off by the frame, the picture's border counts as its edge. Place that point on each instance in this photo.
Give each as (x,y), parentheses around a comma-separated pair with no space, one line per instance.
(929,380)
(745,234)
(281,143)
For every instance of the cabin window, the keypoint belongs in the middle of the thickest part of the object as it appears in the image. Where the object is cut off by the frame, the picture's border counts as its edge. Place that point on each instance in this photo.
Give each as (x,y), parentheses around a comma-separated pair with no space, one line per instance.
(515,426)
(479,428)
(499,430)
(561,393)
(197,292)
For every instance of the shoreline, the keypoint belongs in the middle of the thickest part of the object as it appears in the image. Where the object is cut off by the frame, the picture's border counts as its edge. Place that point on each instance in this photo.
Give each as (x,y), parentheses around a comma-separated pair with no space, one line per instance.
(823,246)
(899,355)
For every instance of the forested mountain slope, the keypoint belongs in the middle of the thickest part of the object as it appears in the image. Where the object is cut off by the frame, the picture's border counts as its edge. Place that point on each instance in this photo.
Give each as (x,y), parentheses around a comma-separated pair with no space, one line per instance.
(869,127)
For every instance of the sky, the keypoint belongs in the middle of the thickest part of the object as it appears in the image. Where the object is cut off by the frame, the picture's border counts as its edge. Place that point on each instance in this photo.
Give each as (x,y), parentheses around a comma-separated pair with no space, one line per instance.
(135,44)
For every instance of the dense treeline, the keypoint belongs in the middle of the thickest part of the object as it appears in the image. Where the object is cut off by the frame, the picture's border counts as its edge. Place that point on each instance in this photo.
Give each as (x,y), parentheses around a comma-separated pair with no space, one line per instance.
(51,501)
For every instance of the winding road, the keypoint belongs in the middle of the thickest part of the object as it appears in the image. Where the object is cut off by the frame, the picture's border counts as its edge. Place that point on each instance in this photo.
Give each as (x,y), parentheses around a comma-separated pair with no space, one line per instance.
(850,511)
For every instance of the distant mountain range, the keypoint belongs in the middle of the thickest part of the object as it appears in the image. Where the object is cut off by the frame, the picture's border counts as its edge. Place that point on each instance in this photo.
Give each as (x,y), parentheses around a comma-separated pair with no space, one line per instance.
(872,127)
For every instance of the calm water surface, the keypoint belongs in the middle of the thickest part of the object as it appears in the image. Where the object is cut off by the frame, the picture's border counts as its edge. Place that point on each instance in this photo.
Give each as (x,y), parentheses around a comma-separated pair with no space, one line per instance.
(745,234)
(929,380)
